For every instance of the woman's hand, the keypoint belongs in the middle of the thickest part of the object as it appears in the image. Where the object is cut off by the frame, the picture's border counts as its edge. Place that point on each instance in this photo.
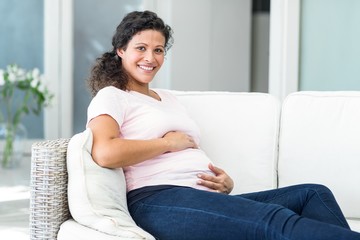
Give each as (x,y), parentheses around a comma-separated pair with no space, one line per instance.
(178,141)
(221,182)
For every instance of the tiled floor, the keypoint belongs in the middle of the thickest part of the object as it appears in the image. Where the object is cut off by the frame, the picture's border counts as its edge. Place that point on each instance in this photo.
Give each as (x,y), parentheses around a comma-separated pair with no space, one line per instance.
(14,202)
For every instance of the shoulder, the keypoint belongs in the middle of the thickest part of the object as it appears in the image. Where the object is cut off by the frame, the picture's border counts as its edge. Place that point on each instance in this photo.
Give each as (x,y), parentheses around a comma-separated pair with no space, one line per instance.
(111,101)
(110,90)
(109,96)
(111,93)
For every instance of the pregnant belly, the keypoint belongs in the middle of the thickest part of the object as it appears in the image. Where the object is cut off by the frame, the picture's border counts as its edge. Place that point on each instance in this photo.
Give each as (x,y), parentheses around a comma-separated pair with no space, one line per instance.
(178,168)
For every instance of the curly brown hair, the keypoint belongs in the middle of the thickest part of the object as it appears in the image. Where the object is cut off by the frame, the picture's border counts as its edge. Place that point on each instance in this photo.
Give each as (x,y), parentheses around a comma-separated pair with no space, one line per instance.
(107,70)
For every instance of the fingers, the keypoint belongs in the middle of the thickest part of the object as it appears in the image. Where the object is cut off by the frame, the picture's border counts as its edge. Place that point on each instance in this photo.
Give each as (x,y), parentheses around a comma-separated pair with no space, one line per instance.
(221,182)
(207,179)
(212,182)
(206,182)
(192,142)
(215,169)
(179,141)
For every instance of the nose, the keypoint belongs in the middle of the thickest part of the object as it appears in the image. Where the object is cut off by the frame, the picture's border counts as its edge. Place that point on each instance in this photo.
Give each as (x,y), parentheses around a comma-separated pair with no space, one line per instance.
(149,56)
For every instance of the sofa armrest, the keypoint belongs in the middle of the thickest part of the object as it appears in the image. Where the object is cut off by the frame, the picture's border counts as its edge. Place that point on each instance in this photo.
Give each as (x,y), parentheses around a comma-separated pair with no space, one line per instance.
(48,188)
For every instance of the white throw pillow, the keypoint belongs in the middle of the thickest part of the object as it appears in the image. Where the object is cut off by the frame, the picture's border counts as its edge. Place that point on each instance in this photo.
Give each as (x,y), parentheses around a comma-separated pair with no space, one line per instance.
(96,195)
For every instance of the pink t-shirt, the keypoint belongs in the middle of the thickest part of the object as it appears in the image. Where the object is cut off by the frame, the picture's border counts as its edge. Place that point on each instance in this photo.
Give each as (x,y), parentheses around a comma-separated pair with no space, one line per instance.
(142,117)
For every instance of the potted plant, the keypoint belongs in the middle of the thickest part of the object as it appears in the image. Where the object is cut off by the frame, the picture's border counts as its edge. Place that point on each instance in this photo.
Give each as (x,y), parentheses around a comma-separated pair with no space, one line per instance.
(21,92)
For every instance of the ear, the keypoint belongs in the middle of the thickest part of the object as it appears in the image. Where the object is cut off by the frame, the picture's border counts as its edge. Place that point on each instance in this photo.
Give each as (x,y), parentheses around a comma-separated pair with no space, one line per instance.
(120,52)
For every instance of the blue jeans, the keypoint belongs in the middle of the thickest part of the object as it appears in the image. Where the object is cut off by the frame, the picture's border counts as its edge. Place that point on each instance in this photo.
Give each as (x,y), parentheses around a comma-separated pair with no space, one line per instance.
(307,212)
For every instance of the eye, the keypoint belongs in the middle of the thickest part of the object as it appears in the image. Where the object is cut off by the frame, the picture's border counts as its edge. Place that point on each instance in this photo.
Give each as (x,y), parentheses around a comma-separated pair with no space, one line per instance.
(141,48)
(159,51)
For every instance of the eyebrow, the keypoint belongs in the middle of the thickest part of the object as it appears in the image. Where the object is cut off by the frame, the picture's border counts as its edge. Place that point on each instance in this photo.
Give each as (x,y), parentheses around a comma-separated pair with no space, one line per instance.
(141,43)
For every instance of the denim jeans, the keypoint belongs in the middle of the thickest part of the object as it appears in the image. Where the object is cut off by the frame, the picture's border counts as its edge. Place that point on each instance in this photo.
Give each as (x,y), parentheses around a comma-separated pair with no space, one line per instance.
(307,212)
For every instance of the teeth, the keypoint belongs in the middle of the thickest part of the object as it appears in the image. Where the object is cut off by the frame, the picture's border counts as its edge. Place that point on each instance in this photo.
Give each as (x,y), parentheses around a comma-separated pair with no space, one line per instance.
(146,68)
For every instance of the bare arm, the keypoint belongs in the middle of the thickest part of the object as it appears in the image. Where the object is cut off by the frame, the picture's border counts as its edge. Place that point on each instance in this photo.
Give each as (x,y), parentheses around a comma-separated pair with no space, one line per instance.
(113,152)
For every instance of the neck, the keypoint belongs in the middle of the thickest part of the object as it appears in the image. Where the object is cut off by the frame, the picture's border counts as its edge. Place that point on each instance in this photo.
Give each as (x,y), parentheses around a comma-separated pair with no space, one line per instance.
(141,88)
(146,91)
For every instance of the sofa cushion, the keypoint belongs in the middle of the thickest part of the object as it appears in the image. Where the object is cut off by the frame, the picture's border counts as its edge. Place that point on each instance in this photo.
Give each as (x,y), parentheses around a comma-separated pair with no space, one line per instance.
(320,143)
(239,132)
(71,229)
(96,195)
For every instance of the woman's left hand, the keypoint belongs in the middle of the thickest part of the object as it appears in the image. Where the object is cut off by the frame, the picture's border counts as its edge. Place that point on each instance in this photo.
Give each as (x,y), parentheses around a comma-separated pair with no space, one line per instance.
(221,182)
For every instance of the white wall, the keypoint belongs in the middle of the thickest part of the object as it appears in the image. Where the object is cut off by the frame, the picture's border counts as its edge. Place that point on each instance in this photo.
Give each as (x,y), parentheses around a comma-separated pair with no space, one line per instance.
(260,52)
(212,45)
(284,47)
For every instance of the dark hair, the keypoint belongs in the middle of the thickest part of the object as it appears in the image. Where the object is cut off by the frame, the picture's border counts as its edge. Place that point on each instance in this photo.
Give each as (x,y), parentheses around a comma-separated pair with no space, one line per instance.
(108,70)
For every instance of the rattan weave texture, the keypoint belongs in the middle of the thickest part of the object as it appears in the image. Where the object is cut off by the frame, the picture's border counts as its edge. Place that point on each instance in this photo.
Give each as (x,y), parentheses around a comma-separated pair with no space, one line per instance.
(48,188)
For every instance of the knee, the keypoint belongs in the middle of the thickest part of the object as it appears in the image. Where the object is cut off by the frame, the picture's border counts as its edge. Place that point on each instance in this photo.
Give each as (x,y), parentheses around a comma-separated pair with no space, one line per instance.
(318,188)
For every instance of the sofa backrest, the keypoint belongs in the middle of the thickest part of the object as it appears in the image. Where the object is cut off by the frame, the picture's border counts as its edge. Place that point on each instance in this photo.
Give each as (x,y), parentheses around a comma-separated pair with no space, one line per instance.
(320,143)
(239,133)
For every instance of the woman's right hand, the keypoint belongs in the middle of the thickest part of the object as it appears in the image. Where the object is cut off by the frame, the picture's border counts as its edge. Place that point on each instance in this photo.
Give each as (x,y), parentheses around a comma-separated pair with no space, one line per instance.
(178,141)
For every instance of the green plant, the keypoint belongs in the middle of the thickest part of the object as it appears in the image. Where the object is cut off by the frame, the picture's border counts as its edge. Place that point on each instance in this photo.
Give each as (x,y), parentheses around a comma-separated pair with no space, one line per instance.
(21,92)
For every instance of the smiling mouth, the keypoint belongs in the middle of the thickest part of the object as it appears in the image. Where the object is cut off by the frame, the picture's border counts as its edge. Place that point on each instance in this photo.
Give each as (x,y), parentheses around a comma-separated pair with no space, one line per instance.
(146,68)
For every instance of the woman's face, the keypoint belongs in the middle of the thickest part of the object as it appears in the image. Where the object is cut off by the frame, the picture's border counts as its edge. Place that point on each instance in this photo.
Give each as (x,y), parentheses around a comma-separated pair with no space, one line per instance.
(143,57)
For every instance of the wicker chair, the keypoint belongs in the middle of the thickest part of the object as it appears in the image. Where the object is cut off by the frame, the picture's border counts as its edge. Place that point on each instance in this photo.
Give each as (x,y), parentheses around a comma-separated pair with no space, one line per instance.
(48,188)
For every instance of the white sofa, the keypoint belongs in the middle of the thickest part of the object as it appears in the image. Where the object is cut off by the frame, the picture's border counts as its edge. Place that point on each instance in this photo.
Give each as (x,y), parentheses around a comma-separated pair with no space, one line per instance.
(312,137)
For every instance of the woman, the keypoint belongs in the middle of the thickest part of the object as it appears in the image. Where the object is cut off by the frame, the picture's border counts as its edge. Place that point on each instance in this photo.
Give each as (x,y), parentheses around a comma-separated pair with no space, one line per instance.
(174,191)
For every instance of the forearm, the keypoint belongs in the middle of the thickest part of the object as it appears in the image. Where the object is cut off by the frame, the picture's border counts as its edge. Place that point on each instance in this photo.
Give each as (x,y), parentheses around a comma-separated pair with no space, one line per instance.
(117,152)
(111,151)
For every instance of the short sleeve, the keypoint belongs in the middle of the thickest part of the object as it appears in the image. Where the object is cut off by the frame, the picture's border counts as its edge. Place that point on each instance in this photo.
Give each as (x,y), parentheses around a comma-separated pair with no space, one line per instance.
(108,101)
